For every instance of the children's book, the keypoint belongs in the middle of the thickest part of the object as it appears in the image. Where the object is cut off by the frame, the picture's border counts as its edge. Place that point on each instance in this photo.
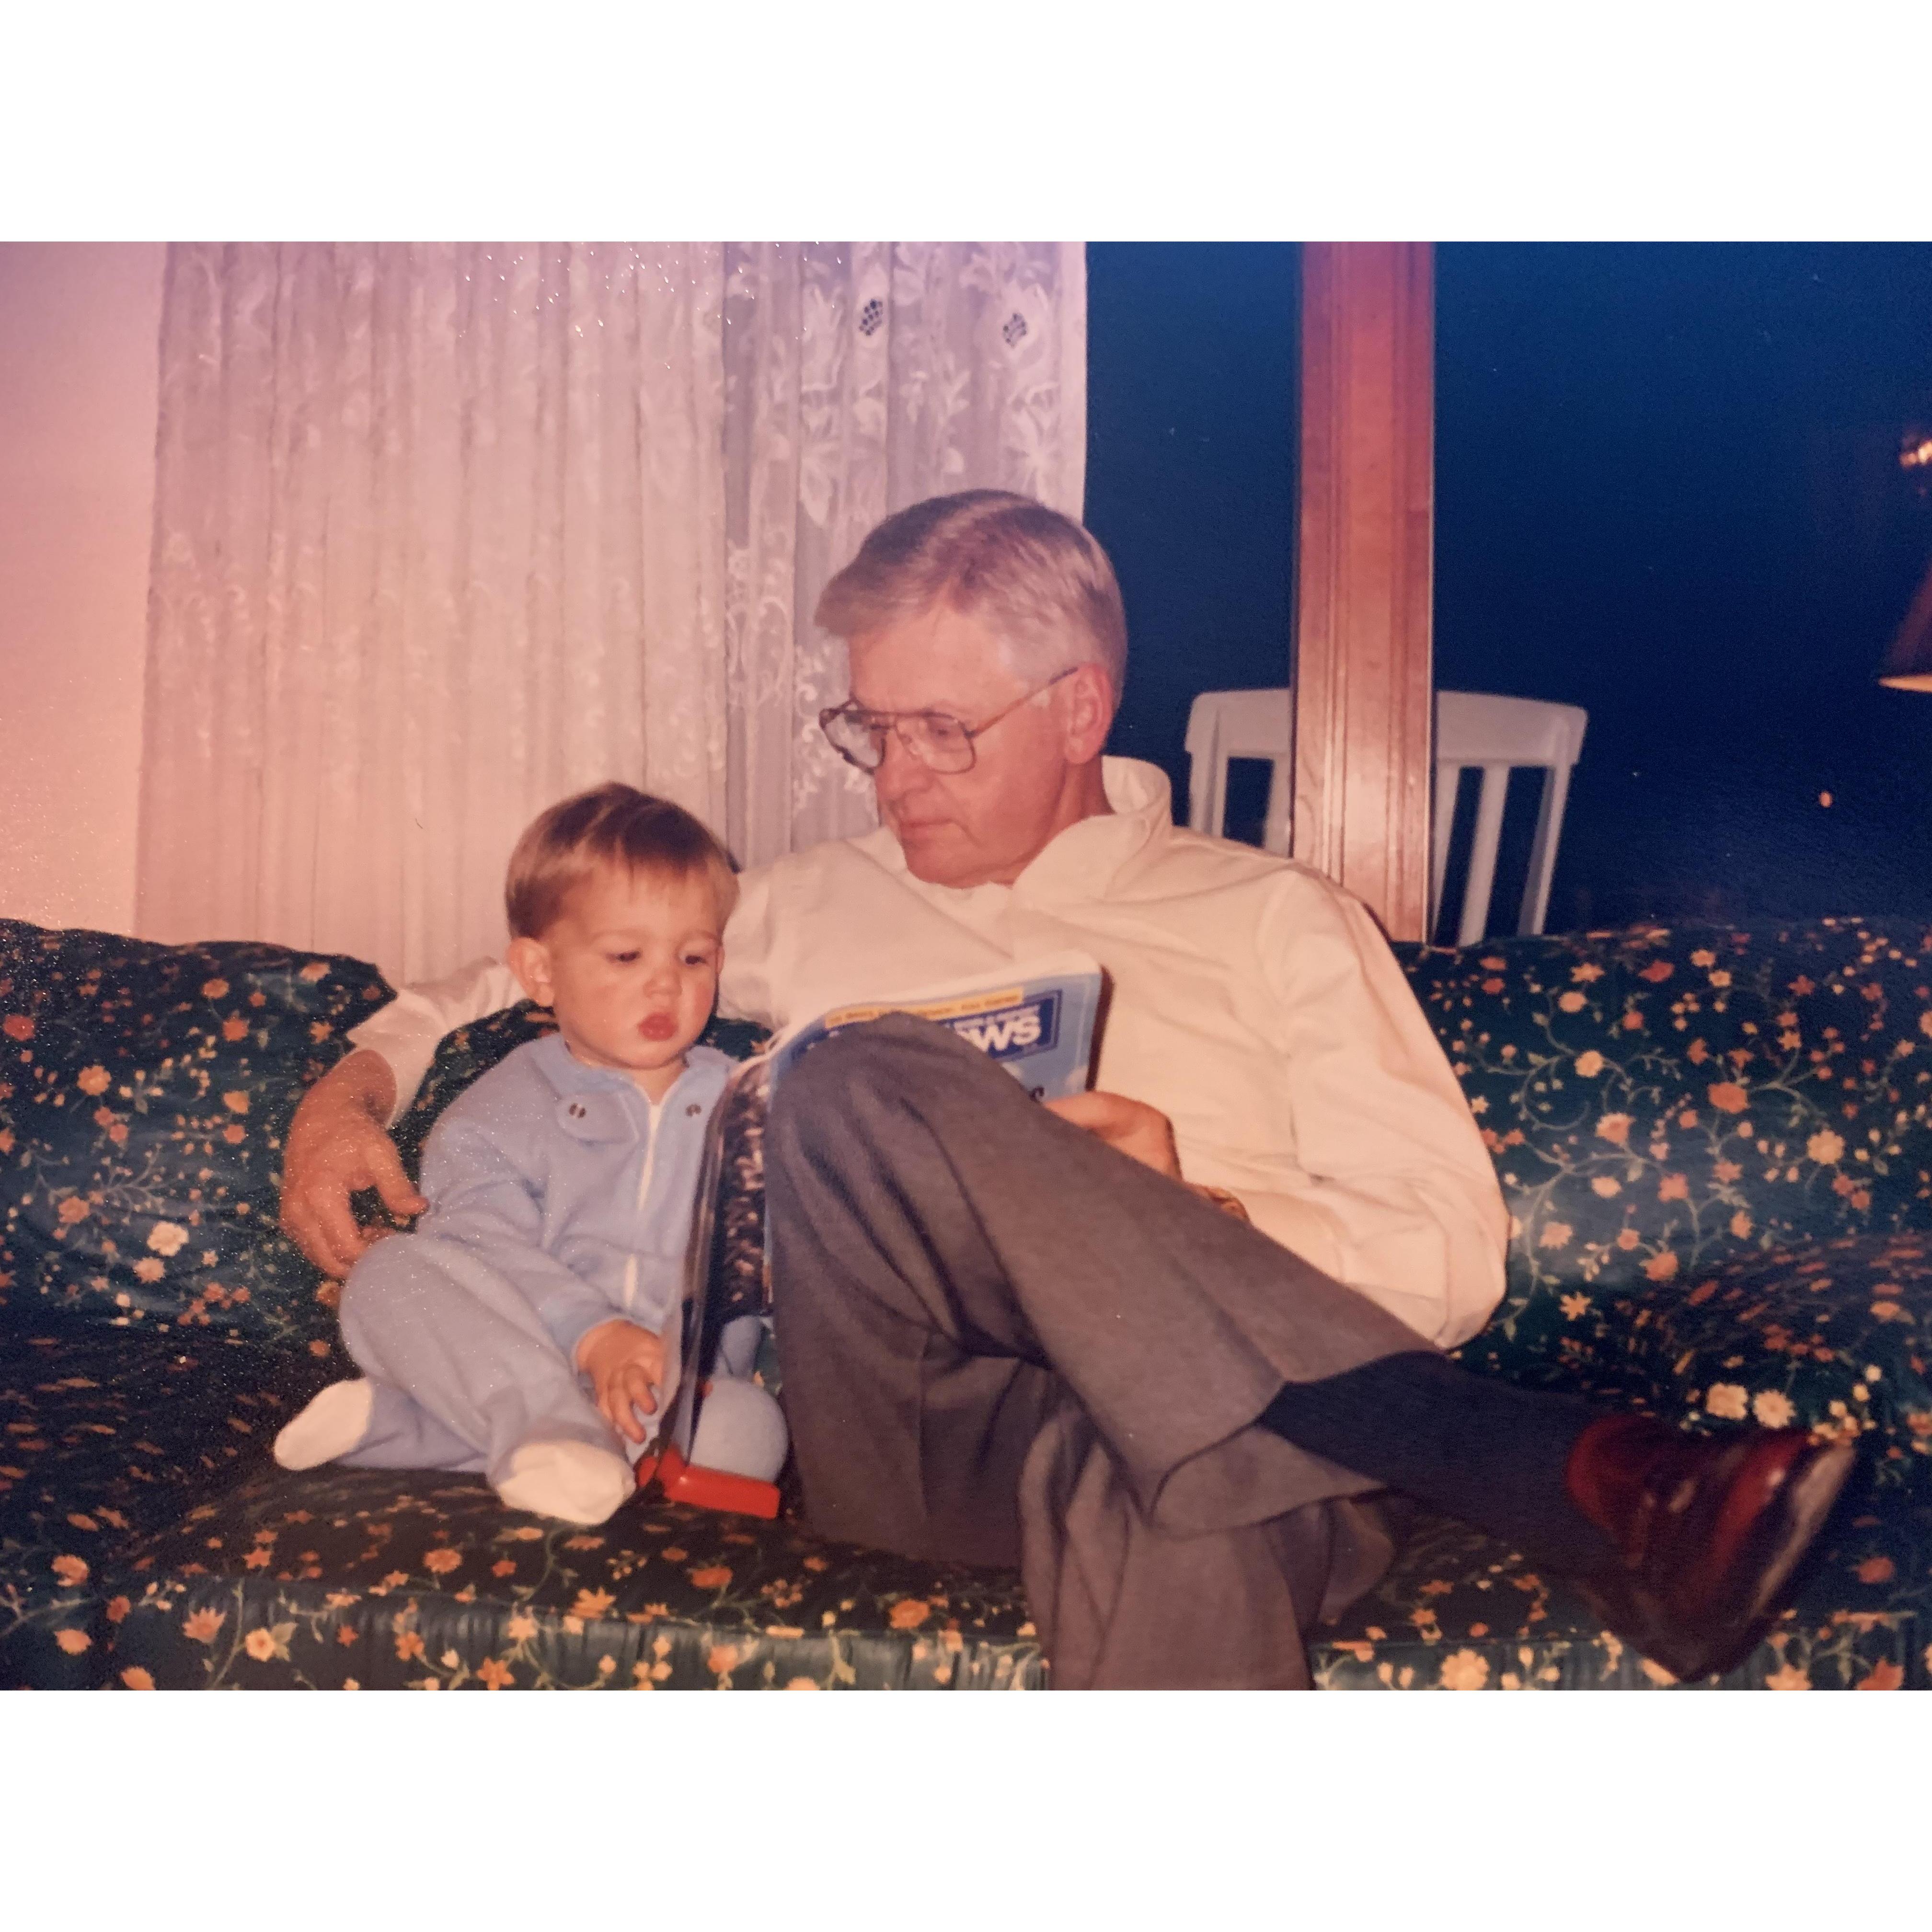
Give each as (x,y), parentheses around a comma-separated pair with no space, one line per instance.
(1036,1018)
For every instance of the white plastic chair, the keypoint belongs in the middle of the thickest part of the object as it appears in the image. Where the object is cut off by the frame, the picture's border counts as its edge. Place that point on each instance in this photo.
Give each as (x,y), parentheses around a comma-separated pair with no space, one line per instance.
(1473,730)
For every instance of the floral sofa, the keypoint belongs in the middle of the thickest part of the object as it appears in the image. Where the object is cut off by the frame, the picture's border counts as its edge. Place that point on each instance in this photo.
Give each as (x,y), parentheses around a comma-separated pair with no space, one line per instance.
(1715,1145)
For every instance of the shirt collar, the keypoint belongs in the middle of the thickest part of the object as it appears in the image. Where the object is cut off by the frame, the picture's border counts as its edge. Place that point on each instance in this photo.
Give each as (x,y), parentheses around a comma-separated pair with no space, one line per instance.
(705,1066)
(1082,861)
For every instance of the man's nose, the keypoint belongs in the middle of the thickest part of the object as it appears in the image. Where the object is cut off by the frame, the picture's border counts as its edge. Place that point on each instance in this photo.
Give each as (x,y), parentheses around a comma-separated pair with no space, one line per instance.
(899,773)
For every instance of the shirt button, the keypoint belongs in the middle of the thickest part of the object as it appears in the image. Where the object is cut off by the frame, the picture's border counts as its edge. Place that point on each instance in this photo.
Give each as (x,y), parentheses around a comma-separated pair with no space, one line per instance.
(576,1110)
(691,1109)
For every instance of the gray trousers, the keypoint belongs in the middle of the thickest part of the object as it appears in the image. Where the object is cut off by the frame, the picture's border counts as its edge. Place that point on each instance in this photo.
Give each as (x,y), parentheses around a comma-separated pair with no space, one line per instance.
(1004,1342)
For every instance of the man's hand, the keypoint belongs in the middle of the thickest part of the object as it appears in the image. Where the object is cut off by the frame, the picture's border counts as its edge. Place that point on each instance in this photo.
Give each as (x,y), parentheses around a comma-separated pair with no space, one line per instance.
(1143,1132)
(336,1145)
(626,1364)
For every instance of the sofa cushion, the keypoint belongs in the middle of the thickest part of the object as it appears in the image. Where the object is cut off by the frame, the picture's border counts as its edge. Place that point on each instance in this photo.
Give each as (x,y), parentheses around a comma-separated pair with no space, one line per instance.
(420,1579)
(145,1090)
(1831,1337)
(1659,1102)
(107,1435)
(1460,1611)
(144,1540)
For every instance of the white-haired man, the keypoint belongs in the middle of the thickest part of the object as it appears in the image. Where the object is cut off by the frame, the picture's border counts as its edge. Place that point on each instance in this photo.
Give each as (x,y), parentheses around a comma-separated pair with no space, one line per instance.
(1150,1344)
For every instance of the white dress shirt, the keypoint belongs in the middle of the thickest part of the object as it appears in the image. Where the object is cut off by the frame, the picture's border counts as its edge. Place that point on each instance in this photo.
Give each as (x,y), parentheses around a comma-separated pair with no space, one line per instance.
(1253,1002)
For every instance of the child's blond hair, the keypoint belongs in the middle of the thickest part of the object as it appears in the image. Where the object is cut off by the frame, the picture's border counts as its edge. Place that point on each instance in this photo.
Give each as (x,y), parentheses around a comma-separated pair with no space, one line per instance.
(611,824)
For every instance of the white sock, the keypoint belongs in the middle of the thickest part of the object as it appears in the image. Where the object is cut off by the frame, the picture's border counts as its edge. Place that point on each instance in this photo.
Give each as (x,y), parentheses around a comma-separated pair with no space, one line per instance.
(575,1481)
(330,1426)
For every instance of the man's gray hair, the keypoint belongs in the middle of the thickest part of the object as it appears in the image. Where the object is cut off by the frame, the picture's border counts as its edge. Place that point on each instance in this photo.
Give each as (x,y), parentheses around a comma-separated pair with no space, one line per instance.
(1033,577)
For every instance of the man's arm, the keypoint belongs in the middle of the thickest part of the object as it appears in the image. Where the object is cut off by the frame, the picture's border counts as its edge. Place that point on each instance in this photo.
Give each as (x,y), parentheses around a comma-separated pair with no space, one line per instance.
(1387,1187)
(337,1141)
(1397,1197)
(405,1032)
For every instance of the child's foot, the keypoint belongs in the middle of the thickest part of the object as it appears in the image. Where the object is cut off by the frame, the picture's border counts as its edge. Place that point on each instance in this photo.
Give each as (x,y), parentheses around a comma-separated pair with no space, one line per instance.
(330,1426)
(575,1481)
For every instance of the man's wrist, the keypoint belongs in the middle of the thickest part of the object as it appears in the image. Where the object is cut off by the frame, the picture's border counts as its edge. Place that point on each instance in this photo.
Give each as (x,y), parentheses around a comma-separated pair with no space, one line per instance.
(1227,1202)
(376,1084)
(361,1083)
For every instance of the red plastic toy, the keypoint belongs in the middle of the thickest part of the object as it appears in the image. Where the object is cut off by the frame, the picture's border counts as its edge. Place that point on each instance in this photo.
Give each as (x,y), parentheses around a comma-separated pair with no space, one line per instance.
(684,1482)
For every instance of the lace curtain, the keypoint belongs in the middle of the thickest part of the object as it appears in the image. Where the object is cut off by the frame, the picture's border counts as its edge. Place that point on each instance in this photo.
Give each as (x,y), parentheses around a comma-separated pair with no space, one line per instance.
(444,532)
(859,378)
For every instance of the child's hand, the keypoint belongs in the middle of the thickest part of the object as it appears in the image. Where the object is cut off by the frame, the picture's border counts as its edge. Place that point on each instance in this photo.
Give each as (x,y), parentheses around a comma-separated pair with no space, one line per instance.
(625,1363)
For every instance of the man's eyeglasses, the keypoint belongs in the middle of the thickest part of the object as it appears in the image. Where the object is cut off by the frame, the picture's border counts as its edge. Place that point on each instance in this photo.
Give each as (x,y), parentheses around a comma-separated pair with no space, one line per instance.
(937,739)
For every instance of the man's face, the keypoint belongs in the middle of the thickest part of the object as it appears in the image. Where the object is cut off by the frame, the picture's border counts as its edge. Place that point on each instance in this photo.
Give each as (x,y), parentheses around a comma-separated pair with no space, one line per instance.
(979,826)
(630,967)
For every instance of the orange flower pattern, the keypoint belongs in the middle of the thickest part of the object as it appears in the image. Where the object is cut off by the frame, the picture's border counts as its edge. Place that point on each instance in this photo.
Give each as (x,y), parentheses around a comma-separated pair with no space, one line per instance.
(178,1164)
(1778,1090)
(1755,1111)
(352,1564)
(337,1564)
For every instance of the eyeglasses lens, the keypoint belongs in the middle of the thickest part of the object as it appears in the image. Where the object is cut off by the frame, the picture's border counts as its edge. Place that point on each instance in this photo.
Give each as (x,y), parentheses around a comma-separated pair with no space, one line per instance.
(935,739)
(939,742)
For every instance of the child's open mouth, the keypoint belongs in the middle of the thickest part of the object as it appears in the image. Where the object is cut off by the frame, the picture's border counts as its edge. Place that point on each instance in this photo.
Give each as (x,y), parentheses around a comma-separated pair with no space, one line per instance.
(659,1026)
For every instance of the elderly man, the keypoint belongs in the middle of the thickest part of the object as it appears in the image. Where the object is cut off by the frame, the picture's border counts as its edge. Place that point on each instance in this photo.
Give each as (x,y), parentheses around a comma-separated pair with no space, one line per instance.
(1150,1343)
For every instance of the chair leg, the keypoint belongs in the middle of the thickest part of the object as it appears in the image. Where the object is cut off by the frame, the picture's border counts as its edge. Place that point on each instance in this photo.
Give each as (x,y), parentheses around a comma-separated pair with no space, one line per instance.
(1442,805)
(1543,852)
(1483,855)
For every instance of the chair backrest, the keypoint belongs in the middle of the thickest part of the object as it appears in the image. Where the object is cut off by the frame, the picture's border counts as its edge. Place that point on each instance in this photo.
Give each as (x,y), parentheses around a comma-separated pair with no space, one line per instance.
(1225,725)
(1473,730)
(1495,735)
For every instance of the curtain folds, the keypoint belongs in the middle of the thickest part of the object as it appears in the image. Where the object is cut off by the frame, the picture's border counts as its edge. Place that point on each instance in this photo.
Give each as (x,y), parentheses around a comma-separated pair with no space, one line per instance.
(444,532)
(859,378)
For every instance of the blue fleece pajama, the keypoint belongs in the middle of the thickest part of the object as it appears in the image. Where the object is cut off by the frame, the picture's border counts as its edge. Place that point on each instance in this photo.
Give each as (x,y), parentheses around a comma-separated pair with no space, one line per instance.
(559,1197)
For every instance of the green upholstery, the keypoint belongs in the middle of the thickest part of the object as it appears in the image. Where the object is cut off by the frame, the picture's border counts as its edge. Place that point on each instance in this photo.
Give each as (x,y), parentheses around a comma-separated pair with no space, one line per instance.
(108,1435)
(146,1539)
(1458,1611)
(1715,1148)
(1659,1103)
(144,1093)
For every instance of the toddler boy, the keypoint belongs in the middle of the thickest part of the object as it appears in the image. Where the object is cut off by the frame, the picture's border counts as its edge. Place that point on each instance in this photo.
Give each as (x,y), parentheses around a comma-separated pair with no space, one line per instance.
(518,1331)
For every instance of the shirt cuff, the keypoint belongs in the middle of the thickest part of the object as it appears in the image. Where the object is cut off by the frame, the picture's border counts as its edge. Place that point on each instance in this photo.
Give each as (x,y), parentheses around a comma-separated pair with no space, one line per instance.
(406,1031)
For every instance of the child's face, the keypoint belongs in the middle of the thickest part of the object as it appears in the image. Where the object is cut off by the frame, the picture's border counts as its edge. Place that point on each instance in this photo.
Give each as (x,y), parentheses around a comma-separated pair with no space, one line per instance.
(630,967)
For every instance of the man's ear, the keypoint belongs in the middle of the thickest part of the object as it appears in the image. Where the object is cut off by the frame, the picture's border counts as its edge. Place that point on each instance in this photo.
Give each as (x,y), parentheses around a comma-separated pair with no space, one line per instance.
(529,960)
(1089,712)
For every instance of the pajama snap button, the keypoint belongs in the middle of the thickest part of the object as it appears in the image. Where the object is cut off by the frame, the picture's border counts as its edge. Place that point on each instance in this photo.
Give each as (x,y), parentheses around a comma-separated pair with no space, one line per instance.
(691,1109)
(576,1110)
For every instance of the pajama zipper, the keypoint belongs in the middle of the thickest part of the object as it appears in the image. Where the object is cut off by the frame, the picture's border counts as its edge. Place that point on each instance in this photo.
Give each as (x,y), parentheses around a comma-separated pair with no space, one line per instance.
(655,1108)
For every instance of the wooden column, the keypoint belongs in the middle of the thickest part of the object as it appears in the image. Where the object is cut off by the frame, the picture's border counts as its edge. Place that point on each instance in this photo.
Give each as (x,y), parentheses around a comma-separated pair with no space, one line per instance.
(1363,672)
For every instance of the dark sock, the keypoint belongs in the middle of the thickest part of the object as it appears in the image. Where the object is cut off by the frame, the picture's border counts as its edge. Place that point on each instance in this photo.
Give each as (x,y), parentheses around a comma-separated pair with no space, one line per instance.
(1485,1451)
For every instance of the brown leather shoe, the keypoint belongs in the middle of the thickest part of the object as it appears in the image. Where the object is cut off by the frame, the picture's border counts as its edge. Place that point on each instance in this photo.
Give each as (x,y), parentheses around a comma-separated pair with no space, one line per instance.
(1710,1529)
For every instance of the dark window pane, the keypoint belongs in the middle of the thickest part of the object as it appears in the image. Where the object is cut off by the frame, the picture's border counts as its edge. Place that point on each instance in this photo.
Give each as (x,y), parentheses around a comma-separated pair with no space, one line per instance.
(1192,355)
